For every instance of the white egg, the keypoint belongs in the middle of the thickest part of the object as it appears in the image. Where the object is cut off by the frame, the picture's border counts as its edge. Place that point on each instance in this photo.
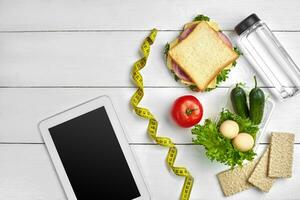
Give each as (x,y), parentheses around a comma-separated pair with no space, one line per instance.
(243,142)
(229,129)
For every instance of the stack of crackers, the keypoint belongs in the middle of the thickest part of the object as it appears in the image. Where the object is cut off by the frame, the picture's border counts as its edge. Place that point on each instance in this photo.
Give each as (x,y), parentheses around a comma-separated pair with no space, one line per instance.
(276,162)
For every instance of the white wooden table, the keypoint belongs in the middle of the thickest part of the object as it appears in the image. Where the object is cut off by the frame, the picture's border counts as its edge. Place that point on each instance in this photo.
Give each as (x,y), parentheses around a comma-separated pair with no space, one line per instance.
(55,54)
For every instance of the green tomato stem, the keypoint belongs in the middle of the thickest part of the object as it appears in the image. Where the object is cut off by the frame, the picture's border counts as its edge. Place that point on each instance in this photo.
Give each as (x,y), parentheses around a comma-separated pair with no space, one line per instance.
(189,111)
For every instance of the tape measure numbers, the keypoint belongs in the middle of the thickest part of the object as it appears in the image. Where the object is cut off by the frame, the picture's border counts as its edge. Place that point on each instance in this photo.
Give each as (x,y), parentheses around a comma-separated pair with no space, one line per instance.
(153,123)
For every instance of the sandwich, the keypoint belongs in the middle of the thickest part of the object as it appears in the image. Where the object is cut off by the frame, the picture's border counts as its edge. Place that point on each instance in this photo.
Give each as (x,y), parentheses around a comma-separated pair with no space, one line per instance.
(201,57)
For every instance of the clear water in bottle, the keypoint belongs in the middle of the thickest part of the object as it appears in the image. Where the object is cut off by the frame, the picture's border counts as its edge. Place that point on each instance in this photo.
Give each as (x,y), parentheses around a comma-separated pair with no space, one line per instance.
(268,57)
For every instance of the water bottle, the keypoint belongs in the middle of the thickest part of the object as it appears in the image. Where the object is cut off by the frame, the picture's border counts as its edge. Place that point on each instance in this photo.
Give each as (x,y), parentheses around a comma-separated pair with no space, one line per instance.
(270,60)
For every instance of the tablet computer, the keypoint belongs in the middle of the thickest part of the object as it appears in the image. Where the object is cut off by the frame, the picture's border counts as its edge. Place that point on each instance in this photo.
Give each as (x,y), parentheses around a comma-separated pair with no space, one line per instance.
(91,154)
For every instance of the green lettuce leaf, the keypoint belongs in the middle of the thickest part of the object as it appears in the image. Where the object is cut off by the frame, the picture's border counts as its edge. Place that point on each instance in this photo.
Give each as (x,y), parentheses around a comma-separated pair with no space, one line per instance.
(245,125)
(201,18)
(166,49)
(223,75)
(220,148)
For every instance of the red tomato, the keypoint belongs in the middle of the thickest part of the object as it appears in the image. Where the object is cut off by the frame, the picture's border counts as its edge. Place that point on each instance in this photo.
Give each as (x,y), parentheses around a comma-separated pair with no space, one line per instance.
(187,111)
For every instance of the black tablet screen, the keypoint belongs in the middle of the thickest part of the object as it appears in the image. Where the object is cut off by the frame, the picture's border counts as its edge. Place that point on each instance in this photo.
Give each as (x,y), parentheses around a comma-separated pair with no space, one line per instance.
(93,159)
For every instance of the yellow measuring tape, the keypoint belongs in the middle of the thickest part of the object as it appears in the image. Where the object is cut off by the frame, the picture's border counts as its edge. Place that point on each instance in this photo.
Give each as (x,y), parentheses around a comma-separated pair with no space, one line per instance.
(153,124)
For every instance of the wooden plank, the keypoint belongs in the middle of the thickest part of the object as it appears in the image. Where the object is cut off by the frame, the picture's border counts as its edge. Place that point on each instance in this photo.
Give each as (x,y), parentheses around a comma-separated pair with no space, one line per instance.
(124,15)
(26,173)
(22,108)
(206,184)
(98,59)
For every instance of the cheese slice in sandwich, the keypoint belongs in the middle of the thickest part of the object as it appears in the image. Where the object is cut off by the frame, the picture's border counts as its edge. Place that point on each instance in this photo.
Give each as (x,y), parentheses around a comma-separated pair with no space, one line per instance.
(202,55)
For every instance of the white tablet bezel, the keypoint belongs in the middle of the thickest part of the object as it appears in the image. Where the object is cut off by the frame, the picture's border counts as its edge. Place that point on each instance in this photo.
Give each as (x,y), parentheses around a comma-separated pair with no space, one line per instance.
(78,111)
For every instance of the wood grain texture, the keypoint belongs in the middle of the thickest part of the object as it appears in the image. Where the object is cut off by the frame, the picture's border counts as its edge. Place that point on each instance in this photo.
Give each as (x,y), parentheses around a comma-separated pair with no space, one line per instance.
(89,46)
(27,106)
(140,14)
(98,59)
(26,173)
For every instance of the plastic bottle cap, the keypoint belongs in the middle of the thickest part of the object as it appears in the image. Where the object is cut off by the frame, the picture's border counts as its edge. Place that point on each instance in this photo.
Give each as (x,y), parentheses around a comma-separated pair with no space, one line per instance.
(246,23)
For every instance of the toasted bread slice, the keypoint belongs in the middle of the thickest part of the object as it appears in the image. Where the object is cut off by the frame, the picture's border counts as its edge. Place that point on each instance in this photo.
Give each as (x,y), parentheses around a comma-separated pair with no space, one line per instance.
(202,55)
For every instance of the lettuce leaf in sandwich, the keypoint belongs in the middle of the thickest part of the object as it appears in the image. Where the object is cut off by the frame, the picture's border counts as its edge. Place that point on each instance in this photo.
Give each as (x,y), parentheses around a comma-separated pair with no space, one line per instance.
(181,75)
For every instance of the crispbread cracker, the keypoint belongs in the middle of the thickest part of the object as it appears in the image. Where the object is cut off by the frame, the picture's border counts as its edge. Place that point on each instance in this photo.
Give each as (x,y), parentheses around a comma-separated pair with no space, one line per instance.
(202,55)
(281,155)
(234,180)
(259,177)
